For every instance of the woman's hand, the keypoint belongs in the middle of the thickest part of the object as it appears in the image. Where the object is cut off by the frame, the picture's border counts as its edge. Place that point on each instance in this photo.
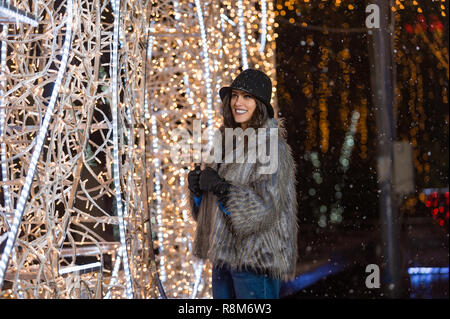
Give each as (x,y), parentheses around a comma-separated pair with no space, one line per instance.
(194,181)
(209,178)
(210,181)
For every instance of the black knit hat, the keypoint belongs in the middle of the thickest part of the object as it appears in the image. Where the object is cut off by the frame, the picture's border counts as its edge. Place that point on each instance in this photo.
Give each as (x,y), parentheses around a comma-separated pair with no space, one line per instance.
(255,82)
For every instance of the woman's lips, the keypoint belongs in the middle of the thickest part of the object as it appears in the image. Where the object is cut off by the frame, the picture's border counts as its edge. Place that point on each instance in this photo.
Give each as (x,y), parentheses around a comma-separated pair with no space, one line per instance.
(240,111)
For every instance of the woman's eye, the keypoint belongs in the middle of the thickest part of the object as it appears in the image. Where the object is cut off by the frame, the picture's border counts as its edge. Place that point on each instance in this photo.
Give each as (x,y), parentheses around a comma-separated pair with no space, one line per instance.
(247,96)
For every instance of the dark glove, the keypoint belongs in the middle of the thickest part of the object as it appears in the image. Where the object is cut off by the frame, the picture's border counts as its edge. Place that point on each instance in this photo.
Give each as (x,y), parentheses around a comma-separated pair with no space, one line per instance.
(210,181)
(194,181)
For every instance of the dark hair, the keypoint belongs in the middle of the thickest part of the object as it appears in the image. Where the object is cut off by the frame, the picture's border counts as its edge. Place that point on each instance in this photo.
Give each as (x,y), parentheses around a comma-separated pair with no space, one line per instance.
(259,117)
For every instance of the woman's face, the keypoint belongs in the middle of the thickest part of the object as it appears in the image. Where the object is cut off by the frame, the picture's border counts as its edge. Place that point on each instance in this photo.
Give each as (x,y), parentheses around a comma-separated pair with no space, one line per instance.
(242,105)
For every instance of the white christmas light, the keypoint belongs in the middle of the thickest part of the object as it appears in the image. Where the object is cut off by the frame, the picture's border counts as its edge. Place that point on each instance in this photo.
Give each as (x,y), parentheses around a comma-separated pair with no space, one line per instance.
(114,106)
(176,10)
(183,195)
(263,25)
(12,234)
(242,35)
(115,272)
(157,166)
(7,196)
(223,17)
(151,38)
(209,99)
(6,9)
(89,267)
(156,163)
(198,269)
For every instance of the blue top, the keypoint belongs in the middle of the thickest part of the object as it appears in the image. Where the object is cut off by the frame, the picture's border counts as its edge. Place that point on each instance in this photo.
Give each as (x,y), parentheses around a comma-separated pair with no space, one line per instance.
(198,200)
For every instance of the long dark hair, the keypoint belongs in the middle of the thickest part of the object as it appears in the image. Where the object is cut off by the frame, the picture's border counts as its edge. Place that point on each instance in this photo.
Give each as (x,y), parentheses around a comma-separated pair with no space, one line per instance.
(259,117)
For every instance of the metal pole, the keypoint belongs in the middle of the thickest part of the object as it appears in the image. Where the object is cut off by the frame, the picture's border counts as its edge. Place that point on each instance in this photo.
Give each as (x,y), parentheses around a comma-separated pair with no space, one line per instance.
(382,81)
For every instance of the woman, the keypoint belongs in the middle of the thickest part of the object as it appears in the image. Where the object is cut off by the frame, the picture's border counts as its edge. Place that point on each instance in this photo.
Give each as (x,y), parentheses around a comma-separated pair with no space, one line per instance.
(246,217)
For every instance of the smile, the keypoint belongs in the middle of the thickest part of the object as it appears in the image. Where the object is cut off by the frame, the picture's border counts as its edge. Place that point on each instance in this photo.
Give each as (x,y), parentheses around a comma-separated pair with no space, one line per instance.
(240,111)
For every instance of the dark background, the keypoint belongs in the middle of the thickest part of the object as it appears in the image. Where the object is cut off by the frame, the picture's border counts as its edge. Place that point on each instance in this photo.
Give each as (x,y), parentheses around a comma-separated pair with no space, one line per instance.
(319,43)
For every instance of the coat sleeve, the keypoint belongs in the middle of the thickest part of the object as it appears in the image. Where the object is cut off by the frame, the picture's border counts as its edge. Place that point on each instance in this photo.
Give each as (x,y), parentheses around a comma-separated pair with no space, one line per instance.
(256,206)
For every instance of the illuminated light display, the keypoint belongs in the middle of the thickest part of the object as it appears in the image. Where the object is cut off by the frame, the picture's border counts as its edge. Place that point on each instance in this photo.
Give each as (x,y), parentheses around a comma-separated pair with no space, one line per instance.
(117,185)
(7,196)
(14,14)
(121,94)
(138,71)
(427,270)
(263,25)
(437,201)
(206,66)
(18,213)
(242,35)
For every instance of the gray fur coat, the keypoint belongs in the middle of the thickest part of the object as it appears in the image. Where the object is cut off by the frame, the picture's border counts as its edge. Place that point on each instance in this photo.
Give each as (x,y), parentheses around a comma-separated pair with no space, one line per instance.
(261,231)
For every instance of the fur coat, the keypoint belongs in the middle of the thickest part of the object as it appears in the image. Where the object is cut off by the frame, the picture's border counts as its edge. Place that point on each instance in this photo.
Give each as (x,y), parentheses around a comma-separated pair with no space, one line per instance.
(260,232)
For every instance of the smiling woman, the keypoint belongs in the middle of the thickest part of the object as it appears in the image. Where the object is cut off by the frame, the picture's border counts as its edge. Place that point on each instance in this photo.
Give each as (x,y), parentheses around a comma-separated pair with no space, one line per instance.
(242,105)
(246,218)
(250,90)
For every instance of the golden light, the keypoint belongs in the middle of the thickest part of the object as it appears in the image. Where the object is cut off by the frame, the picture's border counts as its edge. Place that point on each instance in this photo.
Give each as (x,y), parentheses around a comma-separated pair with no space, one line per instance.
(163,85)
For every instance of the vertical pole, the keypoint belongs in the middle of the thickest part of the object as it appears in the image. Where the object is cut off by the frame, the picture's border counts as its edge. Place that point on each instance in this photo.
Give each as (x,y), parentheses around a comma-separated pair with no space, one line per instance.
(382,81)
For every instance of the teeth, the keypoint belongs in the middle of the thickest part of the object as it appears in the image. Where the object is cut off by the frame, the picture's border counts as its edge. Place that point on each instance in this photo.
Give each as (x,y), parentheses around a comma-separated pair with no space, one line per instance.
(240,111)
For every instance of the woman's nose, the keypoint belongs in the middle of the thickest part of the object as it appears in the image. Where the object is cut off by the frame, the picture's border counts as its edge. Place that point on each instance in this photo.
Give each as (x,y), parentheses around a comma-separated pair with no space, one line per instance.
(238,101)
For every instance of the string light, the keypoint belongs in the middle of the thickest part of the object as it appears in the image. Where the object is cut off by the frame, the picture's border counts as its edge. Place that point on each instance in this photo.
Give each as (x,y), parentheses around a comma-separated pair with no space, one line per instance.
(6,193)
(263,25)
(114,106)
(3,153)
(362,128)
(419,46)
(206,68)
(198,269)
(149,60)
(324,92)
(427,270)
(12,235)
(115,273)
(79,268)
(157,165)
(226,19)
(20,16)
(242,35)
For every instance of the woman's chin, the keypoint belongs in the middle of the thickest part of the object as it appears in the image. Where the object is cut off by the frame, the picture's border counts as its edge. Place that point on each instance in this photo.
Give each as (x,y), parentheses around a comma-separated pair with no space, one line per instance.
(240,119)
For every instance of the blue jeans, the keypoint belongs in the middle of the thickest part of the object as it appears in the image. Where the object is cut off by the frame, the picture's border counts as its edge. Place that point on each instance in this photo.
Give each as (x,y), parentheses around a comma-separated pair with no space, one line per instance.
(229,284)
